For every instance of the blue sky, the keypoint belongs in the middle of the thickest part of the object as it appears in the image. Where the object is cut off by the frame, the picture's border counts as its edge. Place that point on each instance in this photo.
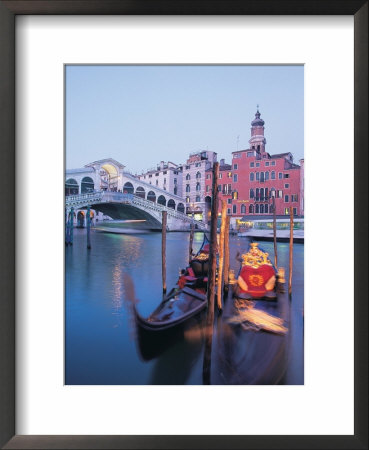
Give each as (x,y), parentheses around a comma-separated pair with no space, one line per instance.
(141,115)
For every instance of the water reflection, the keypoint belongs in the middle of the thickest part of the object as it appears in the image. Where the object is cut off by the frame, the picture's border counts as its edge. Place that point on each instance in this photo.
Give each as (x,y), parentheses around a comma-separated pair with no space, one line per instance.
(105,346)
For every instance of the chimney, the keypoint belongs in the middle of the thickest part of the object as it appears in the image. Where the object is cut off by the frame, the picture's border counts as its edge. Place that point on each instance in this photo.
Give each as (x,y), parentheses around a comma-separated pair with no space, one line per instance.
(222,162)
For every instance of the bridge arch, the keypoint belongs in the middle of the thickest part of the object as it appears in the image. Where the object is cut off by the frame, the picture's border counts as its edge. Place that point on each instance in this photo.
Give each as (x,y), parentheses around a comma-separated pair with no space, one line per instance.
(171,204)
(71,187)
(162,200)
(180,207)
(140,192)
(128,188)
(87,185)
(151,196)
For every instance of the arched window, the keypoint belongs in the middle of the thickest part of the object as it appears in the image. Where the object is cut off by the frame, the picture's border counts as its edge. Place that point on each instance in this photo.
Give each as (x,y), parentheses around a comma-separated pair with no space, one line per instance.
(266,208)
(188,177)
(261,176)
(273,175)
(266,176)
(128,188)
(262,194)
(243,209)
(251,176)
(251,209)
(257,209)
(257,194)
(261,209)
(71,187)
(251,193)
(198,199)
(188,188)
(87,185)
(180,207)
(266,193)
(162,200)
(198,175)
(171,204)
(198,187)
(151,196)
(140,192)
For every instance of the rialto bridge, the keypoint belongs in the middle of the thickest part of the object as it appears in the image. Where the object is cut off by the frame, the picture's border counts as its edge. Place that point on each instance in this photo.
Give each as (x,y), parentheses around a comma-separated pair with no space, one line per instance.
(105,187)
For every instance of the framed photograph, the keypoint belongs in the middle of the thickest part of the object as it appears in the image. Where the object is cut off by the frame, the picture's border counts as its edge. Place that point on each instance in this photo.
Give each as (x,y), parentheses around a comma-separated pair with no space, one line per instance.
(134,136)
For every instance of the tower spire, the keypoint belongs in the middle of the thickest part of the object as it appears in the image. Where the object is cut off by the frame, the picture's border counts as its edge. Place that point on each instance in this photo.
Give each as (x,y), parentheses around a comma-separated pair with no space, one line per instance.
(257,141)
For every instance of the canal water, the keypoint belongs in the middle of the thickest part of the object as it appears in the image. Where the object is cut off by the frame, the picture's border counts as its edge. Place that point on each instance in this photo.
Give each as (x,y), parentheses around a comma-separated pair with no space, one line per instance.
(103,345)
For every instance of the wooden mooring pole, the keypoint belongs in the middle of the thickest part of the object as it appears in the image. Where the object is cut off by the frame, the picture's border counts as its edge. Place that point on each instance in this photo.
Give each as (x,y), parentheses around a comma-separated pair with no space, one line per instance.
(88,226)
(226,252)
(275,234)
(66,228)
(221,255)
(211,276)
(71,226)
(191,242)
(163,250)
(291,253)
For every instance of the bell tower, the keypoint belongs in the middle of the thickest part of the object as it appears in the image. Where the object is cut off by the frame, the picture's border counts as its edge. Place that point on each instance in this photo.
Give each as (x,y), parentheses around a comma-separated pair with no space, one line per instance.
(257,141)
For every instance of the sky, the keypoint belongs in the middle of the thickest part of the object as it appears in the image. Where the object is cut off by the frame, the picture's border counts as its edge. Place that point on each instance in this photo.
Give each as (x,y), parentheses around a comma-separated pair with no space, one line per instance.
(141,114)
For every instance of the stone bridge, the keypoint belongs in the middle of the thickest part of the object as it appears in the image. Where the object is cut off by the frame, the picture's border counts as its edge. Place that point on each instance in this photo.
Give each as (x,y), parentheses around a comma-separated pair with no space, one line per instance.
(129,206)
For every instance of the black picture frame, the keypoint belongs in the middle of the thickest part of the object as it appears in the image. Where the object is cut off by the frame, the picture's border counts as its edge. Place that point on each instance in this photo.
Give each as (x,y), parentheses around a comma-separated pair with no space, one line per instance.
(8,11)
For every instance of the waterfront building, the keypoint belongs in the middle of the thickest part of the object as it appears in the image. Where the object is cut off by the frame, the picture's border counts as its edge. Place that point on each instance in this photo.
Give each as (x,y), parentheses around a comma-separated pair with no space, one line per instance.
(256,177)
(193,182)
(166,176)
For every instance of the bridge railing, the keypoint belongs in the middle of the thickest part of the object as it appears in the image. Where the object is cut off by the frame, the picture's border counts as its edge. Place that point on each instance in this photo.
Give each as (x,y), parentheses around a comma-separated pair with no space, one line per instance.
(84,199)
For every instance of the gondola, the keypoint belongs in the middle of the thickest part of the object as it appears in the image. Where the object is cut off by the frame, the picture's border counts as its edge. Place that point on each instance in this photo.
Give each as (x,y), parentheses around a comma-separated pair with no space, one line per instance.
(184,301)
(258,279)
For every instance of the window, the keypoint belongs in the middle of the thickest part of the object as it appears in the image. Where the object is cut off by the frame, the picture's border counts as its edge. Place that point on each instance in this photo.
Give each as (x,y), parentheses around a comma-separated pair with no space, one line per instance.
(252,164)
(237,155)
(272,175)
(258,148)
(261,209)
(197,164)
(229,201)
(252,176)
(286,198)
(257,164)
(229,211)
(187,199)
(188,189)
(294,198)
(188,177)
(286,186)
(157,182)
(266,208)
(150,176)
(257,176)
(286,175)
(198,175)
(175,190)
(229,174)
(198,199)
(208,176)
(251,209)
(262,177)
(229,188)
(262,194)
(165,172)
(164,188)
(257,208)
(286,211)
(251,193)
(235,166)
(266,176)
(280,194)
(257,196)
(266,193)
(243,209)
(295,211)
(250,154)
(280,175)
(207,188)
(273,163)
(157,174)
(198,187)
(266,163)
(235,195)
(234,208)
(187,167)
(219,188)
(220,176)
(235,178)
(165,181)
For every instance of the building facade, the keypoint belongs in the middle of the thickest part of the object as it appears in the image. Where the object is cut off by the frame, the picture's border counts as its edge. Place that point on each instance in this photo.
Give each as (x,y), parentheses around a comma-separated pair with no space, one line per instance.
(166,176)
(256,177)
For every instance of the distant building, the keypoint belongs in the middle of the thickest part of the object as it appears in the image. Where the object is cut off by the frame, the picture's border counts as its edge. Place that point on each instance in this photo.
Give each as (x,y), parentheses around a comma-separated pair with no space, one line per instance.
(166,176)
(193,182)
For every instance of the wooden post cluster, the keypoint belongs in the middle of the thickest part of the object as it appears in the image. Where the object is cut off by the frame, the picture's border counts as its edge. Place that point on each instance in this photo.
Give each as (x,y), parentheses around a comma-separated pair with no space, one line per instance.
(163,250)
(275,234)
(211,276)
(226,251)
(291,253)
(191,242)
(221,254)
